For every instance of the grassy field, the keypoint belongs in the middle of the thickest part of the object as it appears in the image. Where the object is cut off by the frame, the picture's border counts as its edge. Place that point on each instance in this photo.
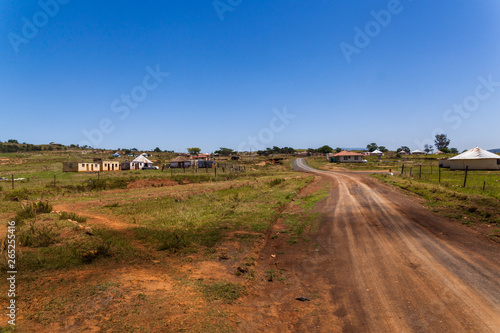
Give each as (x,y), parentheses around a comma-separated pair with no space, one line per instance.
(141,251)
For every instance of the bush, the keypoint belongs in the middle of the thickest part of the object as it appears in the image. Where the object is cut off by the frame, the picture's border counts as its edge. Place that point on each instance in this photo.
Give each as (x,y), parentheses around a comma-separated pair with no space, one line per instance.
(32,209)
(17,195)
(41,236)
(72,216)
(95,250)
(276,181)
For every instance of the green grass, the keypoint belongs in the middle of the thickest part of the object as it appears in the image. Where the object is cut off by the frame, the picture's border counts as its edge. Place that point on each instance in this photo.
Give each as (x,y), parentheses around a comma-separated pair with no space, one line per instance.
(181,221)
(464,205)
(225,291)
(298,222)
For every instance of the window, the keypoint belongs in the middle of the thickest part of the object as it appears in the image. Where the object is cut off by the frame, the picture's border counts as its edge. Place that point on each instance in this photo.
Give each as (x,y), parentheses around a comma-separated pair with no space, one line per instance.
(498,162)
(71,165)
(346,158)
(356,158)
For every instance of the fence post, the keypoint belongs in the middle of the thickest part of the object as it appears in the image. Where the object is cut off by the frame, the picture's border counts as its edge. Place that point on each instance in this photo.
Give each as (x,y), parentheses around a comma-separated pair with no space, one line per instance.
(411,170)
(465,177)
(420,174)
(402,169)
(439,175)
(215,171)
(484,185)
(12,181)
(54,180)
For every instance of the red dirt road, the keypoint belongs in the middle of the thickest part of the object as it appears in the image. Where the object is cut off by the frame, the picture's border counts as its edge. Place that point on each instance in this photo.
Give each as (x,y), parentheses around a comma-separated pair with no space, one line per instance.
(387,264)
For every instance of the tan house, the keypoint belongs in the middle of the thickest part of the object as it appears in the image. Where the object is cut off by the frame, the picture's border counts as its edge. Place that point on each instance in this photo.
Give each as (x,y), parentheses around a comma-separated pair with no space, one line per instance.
(81,167)
(107,165)
(110,166)
(347,157)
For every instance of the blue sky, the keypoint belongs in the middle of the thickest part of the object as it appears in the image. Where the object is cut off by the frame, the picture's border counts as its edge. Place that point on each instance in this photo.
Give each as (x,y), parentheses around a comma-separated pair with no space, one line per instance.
(250,74)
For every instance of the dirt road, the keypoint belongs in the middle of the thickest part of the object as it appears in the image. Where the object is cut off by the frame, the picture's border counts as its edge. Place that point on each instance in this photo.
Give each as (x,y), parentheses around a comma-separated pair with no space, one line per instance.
(384,263)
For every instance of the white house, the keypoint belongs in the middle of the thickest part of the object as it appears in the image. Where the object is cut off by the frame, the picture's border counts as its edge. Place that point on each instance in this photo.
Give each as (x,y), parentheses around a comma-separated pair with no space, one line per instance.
(377,153)
(417,152)
(137,164)
(475,159)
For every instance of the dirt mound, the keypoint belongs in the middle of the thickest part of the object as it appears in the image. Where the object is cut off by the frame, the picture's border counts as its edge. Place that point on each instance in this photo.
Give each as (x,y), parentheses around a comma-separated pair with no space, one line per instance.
(142,183)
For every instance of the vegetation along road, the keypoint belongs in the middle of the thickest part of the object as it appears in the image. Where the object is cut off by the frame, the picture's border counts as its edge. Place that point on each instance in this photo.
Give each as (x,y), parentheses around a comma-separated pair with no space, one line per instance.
(394,266)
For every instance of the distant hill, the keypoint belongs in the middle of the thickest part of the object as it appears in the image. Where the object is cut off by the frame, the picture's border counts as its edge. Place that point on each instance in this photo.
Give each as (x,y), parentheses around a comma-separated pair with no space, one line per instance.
(495,151)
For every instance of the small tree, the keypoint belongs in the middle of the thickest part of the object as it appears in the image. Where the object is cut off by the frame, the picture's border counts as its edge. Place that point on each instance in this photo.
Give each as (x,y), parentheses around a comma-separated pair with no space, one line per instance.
(428,148)
(157,150)
(224,151)
(371,147)
(441,141)
(454,150)
(383,149)
(338,149)
(445,150)
(325,149)
(194,151)
(404,148)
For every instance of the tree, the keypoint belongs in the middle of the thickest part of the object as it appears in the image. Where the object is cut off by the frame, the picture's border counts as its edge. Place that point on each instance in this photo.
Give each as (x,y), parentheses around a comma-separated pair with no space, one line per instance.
(404,148)
(224,151)
(383,149)
(441,141)
(157,150)
(454,150)
(428,148)
(371,147)
(12,141)
(194,151)
(325,149)
(338,149)
(445,150)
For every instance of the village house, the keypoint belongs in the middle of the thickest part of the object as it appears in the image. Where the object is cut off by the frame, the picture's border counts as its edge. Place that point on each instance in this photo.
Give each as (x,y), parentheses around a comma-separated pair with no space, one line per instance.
(138,163)
(81,167)
(347,157)
(475,159)
(180,162)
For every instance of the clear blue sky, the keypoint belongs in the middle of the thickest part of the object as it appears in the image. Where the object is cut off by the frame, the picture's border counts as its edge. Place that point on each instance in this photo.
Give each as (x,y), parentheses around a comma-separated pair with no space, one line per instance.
(229,67)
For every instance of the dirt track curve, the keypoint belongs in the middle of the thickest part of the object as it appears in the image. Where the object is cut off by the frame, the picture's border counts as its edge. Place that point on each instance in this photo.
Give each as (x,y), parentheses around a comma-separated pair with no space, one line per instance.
(391,265)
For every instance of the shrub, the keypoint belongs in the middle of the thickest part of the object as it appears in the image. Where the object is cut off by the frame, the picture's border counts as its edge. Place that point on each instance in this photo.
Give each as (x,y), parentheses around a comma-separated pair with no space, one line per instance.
(37,236)
(72,216)
(276,181)
(17,195)
(95,250)
(32,209)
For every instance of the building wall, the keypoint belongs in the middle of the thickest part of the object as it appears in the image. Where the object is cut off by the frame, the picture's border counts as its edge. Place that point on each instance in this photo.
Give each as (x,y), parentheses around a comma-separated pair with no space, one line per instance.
(110,166)
(80,167)
(349,159)
(487,164)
